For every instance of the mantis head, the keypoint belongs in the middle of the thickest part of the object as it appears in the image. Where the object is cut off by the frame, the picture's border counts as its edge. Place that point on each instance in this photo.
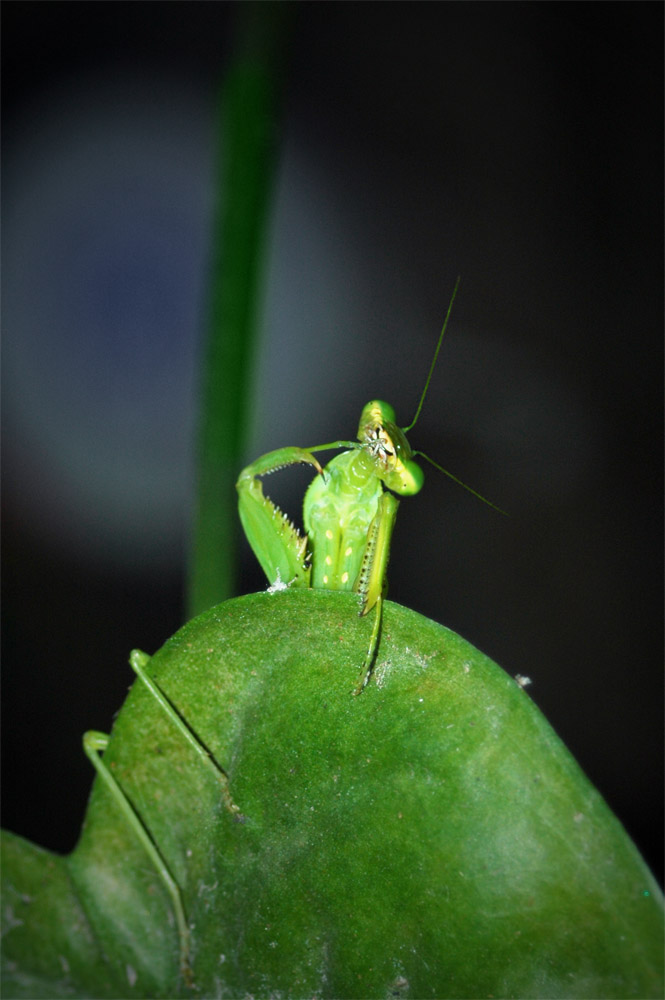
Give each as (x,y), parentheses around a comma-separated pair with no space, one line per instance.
(387,446)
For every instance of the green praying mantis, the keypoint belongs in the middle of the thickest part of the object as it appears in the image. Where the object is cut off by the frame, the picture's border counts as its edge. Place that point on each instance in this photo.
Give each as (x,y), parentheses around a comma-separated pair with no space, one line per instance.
(349,515)
(349,511)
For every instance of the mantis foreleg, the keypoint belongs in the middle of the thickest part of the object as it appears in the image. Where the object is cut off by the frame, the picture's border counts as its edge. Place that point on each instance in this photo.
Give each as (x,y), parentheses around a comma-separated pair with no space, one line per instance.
(279,547)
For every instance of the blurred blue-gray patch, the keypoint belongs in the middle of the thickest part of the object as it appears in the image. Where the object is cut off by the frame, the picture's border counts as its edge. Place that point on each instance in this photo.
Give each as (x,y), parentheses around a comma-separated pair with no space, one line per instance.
(105,239)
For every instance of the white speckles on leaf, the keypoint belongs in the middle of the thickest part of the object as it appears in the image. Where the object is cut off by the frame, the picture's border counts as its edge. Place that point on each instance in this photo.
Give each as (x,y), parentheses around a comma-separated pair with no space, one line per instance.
(278,585)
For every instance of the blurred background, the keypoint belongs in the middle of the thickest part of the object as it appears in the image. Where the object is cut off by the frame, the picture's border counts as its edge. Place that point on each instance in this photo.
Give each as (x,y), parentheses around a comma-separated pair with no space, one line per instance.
(518,145)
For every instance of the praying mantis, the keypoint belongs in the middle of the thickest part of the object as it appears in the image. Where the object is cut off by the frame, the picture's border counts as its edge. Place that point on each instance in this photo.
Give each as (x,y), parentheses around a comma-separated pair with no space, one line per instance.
(349,515)
(349,511)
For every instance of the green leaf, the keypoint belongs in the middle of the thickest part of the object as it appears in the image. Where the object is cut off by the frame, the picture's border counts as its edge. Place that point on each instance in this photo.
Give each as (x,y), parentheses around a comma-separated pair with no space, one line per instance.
(429,838)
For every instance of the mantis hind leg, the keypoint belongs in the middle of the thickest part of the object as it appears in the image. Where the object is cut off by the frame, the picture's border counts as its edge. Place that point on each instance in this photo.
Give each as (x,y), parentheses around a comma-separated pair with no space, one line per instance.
(138,662)
(95,743)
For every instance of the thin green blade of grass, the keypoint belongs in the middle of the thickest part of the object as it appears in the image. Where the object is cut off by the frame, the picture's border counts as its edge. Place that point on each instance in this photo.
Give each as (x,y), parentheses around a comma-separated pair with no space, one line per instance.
(248,118)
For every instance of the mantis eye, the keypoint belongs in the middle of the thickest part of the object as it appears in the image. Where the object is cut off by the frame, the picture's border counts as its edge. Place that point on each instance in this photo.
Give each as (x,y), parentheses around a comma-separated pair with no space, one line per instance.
(405,479)
(413,478)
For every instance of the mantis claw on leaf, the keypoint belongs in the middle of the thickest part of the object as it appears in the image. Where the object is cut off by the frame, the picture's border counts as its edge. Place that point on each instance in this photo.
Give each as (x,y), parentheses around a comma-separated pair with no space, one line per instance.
(349,510)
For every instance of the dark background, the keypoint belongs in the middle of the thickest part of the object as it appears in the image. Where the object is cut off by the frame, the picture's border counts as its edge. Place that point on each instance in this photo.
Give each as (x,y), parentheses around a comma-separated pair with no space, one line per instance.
(519,145)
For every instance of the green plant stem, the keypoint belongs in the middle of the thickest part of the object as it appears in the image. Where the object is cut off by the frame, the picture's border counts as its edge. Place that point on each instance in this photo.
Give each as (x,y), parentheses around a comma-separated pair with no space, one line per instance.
(249,105)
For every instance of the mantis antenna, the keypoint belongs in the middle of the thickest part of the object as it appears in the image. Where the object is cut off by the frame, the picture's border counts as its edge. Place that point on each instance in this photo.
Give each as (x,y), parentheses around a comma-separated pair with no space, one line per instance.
(460,483)
(431,367)
(420,406)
